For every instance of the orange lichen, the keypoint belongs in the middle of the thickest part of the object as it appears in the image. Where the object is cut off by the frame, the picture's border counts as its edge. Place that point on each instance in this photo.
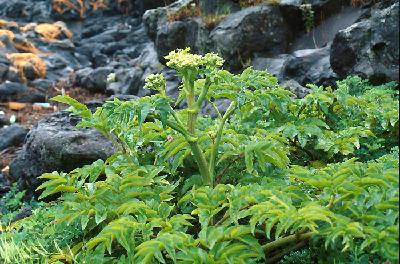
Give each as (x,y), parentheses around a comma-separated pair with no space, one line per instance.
(8,33)
(2,44)
(25,46)
(5,23)
(21,61)
(51,32)
(28,27)
(97,4)
(61,6)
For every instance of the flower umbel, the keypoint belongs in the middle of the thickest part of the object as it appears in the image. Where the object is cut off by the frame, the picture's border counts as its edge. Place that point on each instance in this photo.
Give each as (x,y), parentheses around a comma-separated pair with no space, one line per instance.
(181,59)
(156,82)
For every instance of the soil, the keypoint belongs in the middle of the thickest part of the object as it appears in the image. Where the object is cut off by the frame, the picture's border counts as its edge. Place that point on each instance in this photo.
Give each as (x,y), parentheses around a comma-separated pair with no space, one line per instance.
(31,114)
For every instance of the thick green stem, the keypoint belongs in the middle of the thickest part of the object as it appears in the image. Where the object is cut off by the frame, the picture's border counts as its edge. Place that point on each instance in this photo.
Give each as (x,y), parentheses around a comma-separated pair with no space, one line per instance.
(286,240)
(191,107)
(193,111)
(201,162)
(203,93)
(214,151)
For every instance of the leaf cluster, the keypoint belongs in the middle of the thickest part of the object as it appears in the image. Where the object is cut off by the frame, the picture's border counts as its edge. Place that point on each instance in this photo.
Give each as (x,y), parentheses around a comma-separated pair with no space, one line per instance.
(270,176)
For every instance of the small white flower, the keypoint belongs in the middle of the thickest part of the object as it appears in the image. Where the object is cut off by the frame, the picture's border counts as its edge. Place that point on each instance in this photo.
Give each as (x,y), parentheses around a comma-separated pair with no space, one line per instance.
(111,78)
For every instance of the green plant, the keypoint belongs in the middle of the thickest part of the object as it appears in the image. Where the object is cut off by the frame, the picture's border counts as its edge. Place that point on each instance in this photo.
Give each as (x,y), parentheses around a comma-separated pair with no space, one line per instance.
(269,176)
(10,203)
(308,16)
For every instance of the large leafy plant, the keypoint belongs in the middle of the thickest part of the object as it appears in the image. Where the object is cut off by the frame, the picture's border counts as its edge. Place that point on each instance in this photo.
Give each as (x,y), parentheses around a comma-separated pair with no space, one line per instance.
(186,188)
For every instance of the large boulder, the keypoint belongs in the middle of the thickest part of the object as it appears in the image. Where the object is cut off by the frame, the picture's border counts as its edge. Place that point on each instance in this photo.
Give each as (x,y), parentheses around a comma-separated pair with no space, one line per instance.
(170,30)
(370,47)
(303,66)
(190,32)
(257,29)
(310,66)
(154,18)
(54,144)
(275,65)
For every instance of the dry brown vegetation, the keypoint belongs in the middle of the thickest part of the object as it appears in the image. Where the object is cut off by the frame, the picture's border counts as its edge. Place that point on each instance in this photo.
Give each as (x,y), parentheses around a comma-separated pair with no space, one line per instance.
(245,3)
(210,20)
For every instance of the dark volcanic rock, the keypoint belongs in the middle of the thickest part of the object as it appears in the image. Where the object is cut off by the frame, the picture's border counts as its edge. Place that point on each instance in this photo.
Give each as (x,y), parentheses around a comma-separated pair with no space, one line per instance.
(11,90)
(297,89)
(54,144)
(303,66)
(154,18)
(3,119)
(12,136)
(4,65)
(275,65)
(94,80)
(127,81)
(181,34)
(4,186)
(310,66)
(370,47)
(254,29)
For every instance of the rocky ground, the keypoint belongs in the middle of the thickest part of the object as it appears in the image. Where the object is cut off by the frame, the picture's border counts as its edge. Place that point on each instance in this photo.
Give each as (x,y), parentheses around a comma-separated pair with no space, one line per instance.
(50,47)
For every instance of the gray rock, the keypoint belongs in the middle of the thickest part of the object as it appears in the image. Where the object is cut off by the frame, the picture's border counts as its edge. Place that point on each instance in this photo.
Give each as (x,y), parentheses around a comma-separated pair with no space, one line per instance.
(310,66)
(4,65)
(4,186)
(173,82)
(154,18)
(298,90)
(95,80)
(325,32)
(275,66)
(254,29)
(11,90)
(41,84)
(3,120)
(127,81)
(303,66)
(181,34)
(222,105)
(12,135)
(370,47)
(54,144)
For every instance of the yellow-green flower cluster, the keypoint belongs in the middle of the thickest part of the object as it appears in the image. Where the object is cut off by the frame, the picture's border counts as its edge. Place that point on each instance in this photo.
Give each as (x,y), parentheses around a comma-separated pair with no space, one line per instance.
(181,59)
(156,82)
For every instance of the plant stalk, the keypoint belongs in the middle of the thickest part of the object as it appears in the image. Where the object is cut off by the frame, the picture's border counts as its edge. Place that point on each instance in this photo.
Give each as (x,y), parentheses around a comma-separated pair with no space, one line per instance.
(193,111)
(285,240)
(277,257)
(214,151)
